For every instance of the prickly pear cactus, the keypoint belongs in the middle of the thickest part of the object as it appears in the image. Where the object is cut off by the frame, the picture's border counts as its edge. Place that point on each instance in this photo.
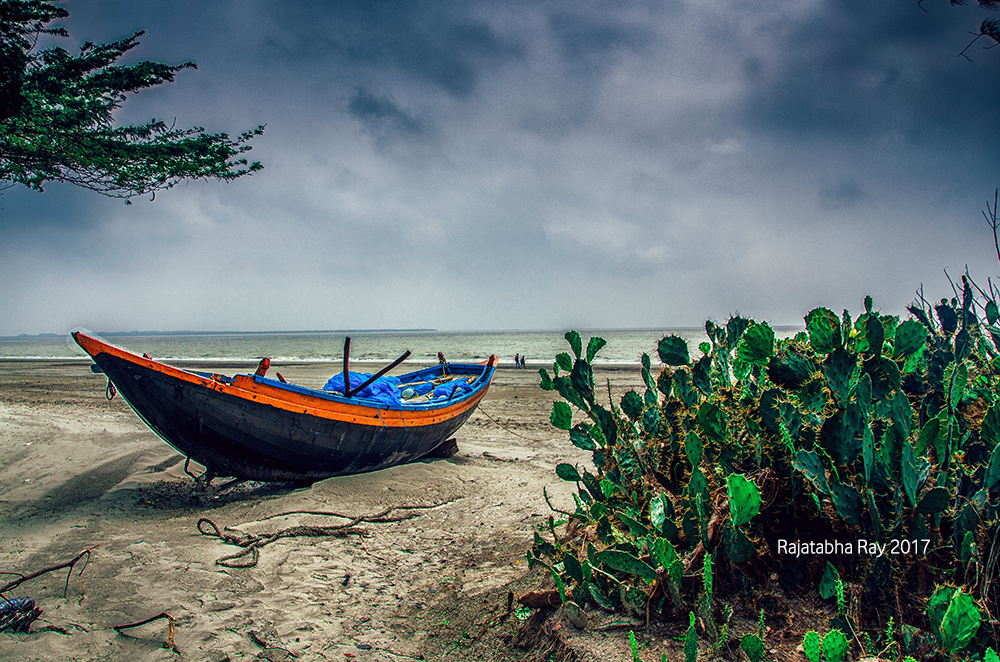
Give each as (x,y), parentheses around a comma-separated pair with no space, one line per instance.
(812,646)
(834,646)
(753,646)
(691,641)
(868,428)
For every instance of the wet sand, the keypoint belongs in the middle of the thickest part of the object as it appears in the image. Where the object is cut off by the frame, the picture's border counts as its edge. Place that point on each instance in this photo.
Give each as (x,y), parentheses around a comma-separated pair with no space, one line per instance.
(78,472)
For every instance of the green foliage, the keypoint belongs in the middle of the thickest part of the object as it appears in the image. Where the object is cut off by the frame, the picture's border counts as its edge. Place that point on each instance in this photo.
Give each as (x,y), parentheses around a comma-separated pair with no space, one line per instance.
(57,116)
(911,336)
(829,581)
(691,640)
(812,646)
(673,350)
(757,345)
(955,617)
(823,327)
(576,343)
(933,501)
(568,472)
(594,346)
(869,646)
(861,428)
(625,562)
(562,416)
(835,646)
(993,472)
(889,635)
(753,646)
(744,499)
(722,639)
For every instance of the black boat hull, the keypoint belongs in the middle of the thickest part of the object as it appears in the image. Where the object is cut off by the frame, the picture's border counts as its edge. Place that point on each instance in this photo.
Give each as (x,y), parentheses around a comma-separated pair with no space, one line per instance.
(244,430)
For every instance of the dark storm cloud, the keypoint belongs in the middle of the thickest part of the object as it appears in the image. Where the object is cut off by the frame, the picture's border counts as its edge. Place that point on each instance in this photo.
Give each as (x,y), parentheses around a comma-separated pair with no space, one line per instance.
(382,117)
(590,45)
(428,43)
(451,55)
(862,70)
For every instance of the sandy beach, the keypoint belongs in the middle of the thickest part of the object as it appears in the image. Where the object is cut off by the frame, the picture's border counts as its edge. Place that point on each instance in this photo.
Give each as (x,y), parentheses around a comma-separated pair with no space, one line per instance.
(429,579)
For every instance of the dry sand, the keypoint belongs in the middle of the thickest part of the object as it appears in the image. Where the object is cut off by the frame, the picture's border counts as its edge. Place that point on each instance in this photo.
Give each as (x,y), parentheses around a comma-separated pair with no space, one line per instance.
(78,472)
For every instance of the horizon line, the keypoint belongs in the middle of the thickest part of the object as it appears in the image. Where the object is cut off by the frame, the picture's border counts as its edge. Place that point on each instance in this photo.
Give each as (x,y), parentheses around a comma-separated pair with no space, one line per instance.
(191,332)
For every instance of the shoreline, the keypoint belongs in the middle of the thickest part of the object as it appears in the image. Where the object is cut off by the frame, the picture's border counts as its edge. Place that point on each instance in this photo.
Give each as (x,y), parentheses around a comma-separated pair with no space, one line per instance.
(532,366)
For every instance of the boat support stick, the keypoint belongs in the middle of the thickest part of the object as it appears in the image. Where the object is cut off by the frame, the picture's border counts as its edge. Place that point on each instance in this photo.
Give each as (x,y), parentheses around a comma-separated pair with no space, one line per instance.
(347,374)
(348,391)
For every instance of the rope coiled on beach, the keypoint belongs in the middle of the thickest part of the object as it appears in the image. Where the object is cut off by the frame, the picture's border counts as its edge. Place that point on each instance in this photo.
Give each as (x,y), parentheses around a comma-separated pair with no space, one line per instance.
(251,543)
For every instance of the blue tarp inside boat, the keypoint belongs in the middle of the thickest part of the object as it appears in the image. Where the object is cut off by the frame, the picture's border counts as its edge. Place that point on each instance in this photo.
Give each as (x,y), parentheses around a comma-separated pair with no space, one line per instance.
(386,389)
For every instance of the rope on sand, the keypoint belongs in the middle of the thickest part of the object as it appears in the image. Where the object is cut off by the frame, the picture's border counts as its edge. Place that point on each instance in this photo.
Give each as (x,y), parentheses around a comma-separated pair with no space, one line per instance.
(516,434)
(251,543)
(171,626)
(84,555)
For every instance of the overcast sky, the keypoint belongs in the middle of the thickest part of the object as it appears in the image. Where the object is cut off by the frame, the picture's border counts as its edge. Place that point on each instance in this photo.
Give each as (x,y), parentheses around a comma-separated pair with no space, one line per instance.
(529,165)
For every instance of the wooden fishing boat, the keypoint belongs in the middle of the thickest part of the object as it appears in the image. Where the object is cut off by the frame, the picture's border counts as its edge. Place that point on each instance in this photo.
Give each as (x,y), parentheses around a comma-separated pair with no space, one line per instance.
(253,427)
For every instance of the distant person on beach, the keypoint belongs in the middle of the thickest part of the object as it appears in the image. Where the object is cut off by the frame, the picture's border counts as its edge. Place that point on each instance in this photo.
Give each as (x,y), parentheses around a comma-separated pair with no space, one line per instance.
(517,360)
(523,364)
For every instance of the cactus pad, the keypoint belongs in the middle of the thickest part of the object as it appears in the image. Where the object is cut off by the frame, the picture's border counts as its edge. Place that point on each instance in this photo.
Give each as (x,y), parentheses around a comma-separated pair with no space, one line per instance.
(834,646)
(812,646)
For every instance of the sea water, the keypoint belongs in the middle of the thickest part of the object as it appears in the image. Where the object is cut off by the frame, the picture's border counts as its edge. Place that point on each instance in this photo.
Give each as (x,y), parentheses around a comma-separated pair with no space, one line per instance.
(624,346)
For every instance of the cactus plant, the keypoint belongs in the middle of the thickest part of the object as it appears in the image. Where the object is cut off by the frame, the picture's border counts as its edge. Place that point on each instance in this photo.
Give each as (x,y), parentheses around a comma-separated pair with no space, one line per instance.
(812,646)
(753,646)
(835,646)
(876,428)
(744,499)
(955,616)
(691,640)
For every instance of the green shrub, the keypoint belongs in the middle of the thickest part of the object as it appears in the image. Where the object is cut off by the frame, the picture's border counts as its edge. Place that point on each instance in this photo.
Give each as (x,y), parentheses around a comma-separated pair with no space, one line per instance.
(873,433)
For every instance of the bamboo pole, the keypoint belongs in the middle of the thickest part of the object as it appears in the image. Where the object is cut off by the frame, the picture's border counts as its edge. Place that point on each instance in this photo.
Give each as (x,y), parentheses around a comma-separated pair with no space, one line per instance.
(347,374)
